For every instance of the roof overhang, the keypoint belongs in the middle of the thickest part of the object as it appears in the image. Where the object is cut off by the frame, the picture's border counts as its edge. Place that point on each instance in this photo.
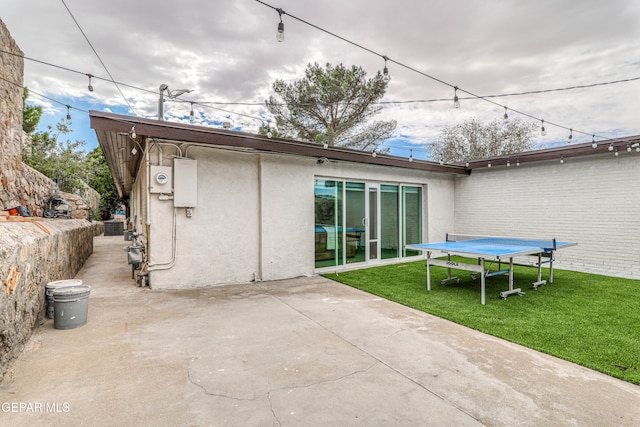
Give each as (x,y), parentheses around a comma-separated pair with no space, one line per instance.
(609,146)
(115,139)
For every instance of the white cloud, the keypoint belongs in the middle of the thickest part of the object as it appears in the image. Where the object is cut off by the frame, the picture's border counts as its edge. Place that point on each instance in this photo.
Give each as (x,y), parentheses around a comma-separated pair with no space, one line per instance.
(226,51)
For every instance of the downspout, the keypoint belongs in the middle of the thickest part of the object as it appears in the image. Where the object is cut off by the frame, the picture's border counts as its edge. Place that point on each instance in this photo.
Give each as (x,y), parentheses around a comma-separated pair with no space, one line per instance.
(259,275)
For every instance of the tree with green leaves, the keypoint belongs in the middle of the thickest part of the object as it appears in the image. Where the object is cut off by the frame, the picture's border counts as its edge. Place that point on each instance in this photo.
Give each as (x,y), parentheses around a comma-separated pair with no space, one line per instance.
(332,105)
(473,139)
(62,162)
(30,114)
(100,179)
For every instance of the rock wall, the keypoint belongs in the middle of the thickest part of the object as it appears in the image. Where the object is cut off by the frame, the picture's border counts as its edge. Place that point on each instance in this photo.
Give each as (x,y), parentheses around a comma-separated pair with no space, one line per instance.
(20,185)
(31,256)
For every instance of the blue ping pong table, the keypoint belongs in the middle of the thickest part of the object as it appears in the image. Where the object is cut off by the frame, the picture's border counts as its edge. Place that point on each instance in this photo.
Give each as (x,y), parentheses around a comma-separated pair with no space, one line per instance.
(493,249)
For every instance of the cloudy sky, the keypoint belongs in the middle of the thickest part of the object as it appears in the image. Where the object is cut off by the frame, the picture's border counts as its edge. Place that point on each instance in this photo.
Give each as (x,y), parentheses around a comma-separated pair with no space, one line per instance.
(227,53)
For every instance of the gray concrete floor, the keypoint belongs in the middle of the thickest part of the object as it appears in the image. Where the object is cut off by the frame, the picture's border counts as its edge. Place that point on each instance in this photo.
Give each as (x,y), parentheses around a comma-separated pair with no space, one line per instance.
(296,352)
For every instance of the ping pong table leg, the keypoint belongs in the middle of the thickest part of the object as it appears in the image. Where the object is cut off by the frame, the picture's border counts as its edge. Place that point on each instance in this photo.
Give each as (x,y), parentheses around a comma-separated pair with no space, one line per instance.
(482,279)
(540,282)
(551,259)
(518,291)
(428,272)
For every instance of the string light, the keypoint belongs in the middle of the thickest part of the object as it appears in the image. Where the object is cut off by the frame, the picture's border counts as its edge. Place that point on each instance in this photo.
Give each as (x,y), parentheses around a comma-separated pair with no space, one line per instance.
(610,147)
(68,113)
(133,132)
(506,116)
(594,144)
(508,162)
(517,161)
(373,154)
(385,71)
(90,87)
(456,100)
(411,155)
(280,33)
(570,136)
(543,131)
(628,148)
(616,152)
(192,117)
(466,164)
(636,146)
(561,158)
(489,164)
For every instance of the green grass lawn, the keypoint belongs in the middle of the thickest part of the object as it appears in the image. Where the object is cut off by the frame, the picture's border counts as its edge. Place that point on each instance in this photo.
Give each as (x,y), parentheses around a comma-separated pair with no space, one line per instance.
(587,319)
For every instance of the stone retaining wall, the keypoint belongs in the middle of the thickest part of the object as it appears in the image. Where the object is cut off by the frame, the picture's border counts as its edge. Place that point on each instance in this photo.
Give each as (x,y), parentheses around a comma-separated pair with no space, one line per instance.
(31,256)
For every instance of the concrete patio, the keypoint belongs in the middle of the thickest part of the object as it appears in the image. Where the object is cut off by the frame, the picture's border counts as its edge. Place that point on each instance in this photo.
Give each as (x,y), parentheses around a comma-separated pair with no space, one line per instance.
(304,351)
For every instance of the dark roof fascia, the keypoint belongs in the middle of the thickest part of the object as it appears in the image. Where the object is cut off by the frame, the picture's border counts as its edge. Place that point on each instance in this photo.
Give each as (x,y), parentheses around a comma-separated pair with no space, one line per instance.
(557,153)
(101,121)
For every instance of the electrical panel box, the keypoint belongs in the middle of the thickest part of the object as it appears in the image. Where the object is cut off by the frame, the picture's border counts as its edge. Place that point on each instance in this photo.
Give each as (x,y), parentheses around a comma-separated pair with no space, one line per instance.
(161,181)
(185,183)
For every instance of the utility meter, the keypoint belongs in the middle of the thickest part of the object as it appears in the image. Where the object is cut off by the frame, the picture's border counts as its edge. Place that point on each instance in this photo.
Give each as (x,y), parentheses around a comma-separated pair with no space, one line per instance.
(162,178)
(160,181)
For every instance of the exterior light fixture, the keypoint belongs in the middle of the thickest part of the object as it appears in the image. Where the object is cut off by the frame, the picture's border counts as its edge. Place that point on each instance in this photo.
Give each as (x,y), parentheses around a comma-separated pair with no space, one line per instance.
(385,71)
(543,131)
(171,94)
(280,32)
(90,87)
(594,144)
(570,136)
(456,100)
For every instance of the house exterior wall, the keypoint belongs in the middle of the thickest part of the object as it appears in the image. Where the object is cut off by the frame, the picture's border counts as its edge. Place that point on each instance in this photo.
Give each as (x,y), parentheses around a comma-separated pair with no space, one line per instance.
(593,201)
(254,218)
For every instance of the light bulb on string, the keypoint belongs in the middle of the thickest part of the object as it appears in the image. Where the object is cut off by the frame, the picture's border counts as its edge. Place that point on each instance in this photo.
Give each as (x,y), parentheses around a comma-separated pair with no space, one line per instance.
(628,148)
(517,161)
(610,147)
(594,144)
(68,113)
(385,71)
(616,152)
(280,33)
(411,155)
(90,87)
(506,116)
(543,131)
(570,136)
(192,114)
(562,159)
(508,162)
(456,100)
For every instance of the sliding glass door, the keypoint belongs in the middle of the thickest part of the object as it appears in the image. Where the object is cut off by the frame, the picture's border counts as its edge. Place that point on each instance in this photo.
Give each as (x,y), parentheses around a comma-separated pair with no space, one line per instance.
(365,222)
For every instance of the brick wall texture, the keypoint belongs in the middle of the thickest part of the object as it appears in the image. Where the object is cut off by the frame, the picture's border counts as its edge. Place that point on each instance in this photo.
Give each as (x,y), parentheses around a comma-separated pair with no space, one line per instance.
(592,200)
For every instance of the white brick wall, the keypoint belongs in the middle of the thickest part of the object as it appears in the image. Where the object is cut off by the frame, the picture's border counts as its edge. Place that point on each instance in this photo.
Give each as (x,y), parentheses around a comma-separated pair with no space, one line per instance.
(594,201)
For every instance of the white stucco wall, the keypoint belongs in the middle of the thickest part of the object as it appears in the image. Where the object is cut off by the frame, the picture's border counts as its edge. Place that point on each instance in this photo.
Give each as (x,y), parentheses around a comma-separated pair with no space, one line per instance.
(255,216)
(594,201)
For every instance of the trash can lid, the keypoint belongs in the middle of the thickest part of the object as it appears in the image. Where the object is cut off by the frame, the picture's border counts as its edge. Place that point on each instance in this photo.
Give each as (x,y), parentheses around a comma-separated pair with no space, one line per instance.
(66,282)
(72,290)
